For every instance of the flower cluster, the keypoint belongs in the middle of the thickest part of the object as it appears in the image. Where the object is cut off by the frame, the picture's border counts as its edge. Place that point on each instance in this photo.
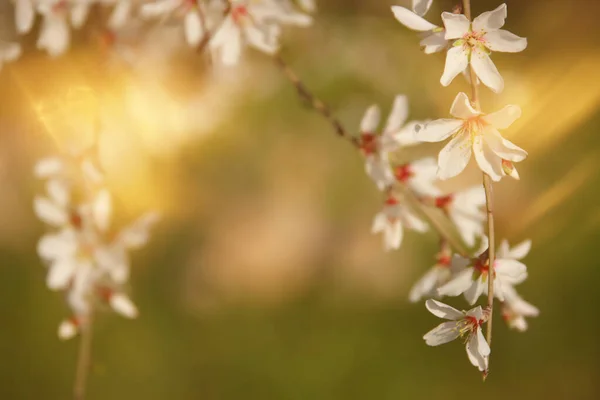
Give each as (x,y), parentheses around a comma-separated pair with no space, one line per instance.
(86,258)
(227,26)
(468,46)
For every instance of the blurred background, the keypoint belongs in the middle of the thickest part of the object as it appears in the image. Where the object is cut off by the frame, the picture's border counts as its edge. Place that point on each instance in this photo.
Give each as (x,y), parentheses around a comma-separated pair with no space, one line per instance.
(262,280)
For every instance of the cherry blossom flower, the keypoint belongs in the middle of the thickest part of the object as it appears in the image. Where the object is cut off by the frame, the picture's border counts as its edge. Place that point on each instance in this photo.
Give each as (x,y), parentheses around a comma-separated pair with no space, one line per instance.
(9,52)
(392,220)
(434,37)
(419,176)
(472,280)
(515,309)
(464,209)
(376,147)
(24,15)
(474,42)
(435,277)
(85,257)
(187,10)
(256,23)
(473,132)
(464,324)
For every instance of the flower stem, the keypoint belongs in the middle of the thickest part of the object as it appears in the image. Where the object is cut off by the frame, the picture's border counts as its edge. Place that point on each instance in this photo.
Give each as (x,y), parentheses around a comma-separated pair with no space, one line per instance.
(489,201)
(312,100)
(84,359)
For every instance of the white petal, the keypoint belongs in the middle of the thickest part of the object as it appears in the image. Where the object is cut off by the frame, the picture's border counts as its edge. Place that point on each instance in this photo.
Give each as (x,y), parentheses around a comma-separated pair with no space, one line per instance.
(442,310)
(504,41)
(424,286)
(434,43)
(421,7)
(490,20)
(91,171)
(407,136)
(48,167)
(438,130)
(120,14)
(265,40)
(475,290)
(379,170)
(456,25)
(457,60)
(370,120)
(49,212)
(486,70)
(509,270)
(53,246)
(412,20)
(54,36)
(476,312)
(60,273)
(24,15)
(455,156)
(59,192)
(413,222)
(136,234)
(79,14)
(503,147)
(520,251)
(488,161)
(503,249)
(123,305)
(398,115)
(158,8)
(67,330)
(193,28)
(393,236)
(461,282)
(441,334)
(380,222)
(478,350)
(461,107)
(503,118)
(102,209)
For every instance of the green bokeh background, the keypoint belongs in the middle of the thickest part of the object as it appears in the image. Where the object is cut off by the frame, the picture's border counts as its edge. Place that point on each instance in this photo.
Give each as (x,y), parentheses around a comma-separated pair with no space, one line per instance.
(329,340)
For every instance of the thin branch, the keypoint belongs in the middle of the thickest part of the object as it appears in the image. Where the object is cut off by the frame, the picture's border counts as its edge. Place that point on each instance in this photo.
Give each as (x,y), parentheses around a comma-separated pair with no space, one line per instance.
(84,359)
(312,100)
(489,201)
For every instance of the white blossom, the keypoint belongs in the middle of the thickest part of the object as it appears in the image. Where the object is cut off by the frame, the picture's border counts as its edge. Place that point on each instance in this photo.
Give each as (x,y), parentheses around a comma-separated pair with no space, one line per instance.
(256,23)
(419,176)
(435,277)
(191,13)
(464,324)
(473,132)
(474,42)
(24,15)
(377,146)
(515,309)
(434,39)
(464,208)
(472,280)
(392,220)
(420,7)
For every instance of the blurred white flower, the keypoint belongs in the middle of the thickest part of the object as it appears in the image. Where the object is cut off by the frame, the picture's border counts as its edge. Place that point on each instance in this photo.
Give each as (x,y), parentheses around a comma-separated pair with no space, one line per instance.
(464,324)
(434,39)
(464,209)
(419,176)
(473,132)
(472,280)
(24,15)
(435,277)
(474,42)
(190,12)
(515,309)
(376,147)
(392,220)
(256,23)
(85,257)
(420,7)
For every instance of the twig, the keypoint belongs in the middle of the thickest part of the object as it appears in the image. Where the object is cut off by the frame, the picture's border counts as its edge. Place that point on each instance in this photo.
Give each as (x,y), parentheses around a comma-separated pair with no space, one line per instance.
(489,201)
(84,359)
(318,105)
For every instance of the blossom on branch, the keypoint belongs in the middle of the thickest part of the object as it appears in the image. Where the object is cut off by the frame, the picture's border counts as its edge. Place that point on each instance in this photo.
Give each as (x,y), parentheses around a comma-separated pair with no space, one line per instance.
(419,176)
(464,209)
(435,277)
(190,12)
(377,146)
(463,324)
(256,23)
(392,220)
(476,133)
(473,44)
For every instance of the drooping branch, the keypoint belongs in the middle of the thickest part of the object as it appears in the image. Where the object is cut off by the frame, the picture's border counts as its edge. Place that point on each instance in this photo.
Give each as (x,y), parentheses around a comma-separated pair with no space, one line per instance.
(84,359)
